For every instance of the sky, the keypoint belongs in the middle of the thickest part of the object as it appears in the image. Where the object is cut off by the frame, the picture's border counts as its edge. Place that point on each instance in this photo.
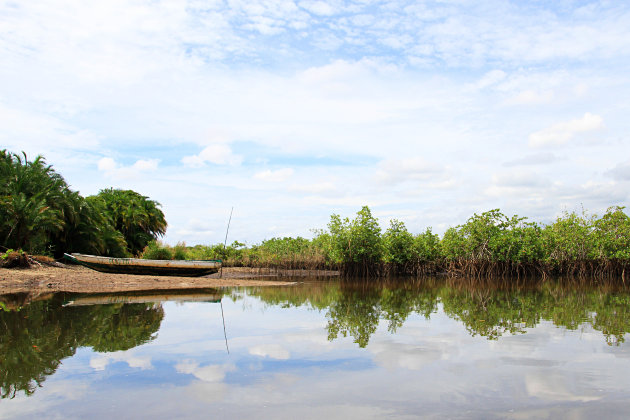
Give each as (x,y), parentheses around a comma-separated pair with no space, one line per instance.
(290,111)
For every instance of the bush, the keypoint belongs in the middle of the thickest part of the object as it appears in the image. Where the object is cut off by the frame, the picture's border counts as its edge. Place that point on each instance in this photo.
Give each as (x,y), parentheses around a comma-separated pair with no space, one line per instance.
(157,251)
(398,244)
(180,252)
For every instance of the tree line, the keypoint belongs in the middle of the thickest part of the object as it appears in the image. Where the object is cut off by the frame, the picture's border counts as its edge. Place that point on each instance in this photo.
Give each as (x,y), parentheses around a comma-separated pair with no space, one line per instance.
(40,214)
(490,244)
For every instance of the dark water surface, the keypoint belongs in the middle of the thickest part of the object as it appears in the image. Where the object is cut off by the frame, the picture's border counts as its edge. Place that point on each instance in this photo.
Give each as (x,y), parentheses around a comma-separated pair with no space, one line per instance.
(394,349)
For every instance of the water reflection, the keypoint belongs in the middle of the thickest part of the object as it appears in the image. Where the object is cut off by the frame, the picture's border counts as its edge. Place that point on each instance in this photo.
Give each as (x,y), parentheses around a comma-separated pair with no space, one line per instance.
(35,338)
(300,336)
(485,308)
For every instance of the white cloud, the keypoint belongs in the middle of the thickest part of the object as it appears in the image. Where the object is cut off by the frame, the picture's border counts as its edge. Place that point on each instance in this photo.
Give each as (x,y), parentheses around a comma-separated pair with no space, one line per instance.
(561,133)
(218,154)
(278,175)
(318,7)
(112,169)
(145,165)
(107,164)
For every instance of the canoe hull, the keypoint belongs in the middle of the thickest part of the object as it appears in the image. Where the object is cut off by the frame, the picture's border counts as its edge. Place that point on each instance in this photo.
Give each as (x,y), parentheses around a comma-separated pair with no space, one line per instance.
(146,267)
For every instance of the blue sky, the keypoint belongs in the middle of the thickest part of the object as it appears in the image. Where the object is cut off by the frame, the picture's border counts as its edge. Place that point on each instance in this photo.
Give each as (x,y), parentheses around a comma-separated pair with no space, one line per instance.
(293,110)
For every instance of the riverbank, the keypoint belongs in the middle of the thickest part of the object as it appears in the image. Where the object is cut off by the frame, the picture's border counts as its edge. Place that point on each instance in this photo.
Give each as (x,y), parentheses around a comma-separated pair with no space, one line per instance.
(79,279)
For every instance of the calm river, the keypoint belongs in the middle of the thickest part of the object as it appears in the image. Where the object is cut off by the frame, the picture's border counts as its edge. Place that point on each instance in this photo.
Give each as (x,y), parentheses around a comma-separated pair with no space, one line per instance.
(320,349)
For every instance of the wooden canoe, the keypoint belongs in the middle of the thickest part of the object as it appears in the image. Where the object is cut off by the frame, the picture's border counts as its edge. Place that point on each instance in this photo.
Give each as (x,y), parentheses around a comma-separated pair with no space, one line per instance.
(184,268)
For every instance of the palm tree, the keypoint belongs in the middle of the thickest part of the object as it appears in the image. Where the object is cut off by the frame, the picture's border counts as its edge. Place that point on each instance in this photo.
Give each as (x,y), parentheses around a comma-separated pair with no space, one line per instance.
(88,229)
(32,205)
(134,215)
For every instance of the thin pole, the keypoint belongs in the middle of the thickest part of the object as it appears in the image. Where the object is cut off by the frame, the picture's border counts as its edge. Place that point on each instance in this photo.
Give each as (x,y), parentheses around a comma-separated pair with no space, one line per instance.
(225,241)
(224,332)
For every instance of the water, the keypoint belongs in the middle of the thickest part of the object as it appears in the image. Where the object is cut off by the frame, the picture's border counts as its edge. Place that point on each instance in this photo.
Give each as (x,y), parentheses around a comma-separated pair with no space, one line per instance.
(429,349)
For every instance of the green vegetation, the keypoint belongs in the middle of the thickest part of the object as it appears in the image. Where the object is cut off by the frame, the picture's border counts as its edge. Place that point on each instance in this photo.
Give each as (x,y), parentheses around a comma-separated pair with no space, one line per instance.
(135,216)
(283,253)
(489,244)
(39,213)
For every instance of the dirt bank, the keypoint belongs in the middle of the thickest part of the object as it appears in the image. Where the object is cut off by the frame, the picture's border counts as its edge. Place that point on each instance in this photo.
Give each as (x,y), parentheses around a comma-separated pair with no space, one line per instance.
(83,280)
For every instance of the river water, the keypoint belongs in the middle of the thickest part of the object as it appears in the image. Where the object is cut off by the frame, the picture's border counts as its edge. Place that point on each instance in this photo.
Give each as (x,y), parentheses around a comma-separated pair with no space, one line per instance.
(405,349)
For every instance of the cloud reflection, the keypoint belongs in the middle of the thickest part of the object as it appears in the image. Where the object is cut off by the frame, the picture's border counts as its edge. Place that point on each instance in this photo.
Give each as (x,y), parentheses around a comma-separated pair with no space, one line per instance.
(101,361)
(274,351)
(210,373)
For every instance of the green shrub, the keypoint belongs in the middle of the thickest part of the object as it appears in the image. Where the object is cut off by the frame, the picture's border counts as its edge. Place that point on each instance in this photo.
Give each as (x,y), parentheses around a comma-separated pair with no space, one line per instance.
(398,244)
(157,251)
(180,252)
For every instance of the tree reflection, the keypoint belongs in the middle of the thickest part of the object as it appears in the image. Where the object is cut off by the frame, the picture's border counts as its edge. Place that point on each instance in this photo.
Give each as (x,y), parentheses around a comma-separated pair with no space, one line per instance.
(355,313)
(35,338)
(485,308)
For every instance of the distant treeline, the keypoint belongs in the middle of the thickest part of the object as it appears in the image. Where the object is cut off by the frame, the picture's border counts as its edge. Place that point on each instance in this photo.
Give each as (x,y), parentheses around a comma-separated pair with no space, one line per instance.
(40,214)
(488,244)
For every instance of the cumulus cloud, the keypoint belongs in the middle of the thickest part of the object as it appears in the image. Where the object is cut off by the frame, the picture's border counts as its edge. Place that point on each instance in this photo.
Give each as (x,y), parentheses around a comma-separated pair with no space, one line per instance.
(561,133)
(218,154)
(278,175)
(107,164)
(111,168)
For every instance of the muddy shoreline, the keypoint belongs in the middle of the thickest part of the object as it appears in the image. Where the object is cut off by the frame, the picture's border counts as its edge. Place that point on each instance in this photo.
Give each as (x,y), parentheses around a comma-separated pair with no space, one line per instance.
(79,279)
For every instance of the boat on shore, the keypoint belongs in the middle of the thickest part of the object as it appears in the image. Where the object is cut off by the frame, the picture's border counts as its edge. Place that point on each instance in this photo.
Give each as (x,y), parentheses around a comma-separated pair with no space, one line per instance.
(182,268)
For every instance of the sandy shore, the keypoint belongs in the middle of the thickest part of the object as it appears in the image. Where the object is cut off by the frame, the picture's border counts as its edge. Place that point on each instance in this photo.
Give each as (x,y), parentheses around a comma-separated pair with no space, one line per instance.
(84,280)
